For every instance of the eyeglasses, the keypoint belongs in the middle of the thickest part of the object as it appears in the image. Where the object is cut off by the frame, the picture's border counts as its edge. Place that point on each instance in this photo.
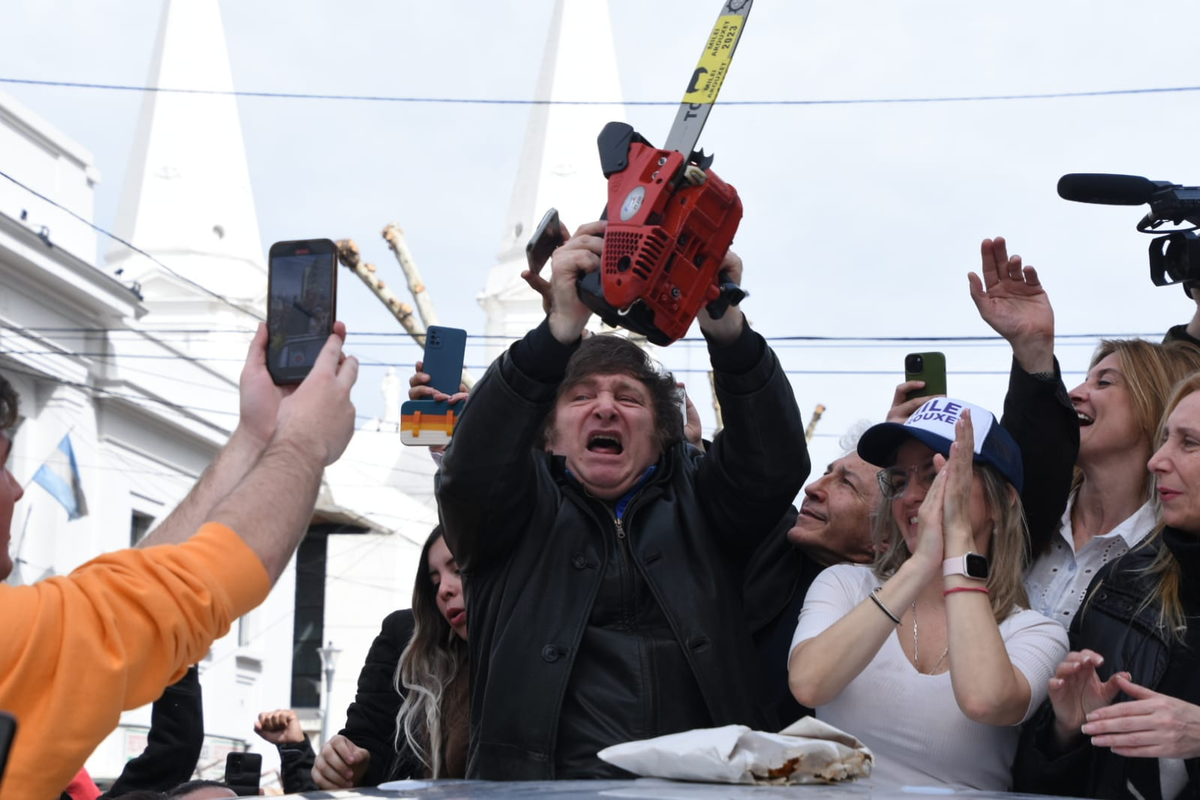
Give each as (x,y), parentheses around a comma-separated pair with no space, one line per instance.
(894,481)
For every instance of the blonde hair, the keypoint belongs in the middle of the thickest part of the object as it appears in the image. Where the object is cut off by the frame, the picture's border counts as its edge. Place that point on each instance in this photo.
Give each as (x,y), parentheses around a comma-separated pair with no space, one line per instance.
(1150,370)
(1006,547)
(1165,568)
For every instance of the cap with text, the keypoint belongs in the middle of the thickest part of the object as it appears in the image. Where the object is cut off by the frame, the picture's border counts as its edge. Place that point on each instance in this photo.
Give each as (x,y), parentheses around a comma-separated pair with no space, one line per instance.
(933,425)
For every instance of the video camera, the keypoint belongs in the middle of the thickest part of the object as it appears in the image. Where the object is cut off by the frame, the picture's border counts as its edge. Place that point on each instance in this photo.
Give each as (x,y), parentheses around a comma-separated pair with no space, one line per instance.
(1175,257)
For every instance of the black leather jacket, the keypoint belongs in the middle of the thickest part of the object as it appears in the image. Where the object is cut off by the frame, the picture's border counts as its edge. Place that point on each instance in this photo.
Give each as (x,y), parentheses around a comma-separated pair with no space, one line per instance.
(1114,622)
(533,548)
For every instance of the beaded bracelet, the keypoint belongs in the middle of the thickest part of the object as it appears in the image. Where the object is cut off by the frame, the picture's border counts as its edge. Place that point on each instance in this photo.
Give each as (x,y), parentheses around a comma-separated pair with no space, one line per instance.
(965,589)
(875,597)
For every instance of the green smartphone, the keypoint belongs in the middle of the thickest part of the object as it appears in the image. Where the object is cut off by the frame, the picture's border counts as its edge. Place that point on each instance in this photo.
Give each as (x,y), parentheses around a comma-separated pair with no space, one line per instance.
(928,367)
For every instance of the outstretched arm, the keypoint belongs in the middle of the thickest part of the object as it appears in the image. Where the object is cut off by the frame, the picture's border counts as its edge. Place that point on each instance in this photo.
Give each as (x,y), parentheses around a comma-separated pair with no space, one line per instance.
(759,461)
(1037,411)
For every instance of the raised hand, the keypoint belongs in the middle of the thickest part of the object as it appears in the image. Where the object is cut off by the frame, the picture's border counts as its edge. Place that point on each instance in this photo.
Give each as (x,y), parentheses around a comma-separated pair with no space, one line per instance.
(279,727)
(903,408)
(577,257)
(956,502)
(1010,299)
(318,416)
(1076,691)
(930,547)
(340,764)
(729,326)
(259,397)
(1151,725)
(418,387)
(535,279)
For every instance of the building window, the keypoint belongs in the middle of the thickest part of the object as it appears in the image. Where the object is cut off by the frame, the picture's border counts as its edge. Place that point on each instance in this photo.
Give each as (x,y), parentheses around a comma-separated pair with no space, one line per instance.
(310,620)
(139,526)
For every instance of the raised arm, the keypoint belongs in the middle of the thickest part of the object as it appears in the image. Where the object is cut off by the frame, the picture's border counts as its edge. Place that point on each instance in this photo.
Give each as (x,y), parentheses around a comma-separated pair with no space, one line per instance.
(758,463)
(988,687)
(487,471)
(259,408)
(1037,411)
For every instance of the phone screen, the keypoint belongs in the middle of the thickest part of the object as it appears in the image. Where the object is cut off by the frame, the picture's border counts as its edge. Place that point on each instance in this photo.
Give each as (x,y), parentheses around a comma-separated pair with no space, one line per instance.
(301,306)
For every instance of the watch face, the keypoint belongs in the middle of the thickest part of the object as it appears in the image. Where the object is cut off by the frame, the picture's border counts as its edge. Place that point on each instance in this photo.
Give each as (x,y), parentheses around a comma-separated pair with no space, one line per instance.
(977,566)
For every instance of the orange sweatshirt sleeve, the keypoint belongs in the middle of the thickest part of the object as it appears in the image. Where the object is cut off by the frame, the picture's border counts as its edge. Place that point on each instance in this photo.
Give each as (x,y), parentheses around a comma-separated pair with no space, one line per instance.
(76,651)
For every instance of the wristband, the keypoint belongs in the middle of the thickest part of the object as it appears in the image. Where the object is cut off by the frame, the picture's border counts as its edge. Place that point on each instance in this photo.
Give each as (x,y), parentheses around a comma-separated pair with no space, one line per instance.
(965,589)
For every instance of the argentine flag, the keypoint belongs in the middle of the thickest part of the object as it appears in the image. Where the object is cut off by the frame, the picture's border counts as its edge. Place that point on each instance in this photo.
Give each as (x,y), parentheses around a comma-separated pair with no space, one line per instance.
(60,477)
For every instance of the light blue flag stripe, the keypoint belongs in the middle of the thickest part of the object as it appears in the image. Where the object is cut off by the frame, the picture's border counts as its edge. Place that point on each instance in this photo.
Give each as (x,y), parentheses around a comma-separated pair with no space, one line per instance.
(60,477)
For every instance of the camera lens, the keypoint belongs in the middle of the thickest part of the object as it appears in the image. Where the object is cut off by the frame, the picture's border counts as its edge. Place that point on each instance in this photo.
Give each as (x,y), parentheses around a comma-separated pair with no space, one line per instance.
(914,363)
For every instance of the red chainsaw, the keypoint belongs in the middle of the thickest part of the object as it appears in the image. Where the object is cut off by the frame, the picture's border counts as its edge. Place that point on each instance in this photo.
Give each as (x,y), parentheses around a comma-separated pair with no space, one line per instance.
(670,218)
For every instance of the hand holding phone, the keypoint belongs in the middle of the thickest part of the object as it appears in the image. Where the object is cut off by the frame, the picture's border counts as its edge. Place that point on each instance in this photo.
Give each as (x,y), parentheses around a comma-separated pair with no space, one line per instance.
(547,237)
(301,305)
(927,367)
(431,422)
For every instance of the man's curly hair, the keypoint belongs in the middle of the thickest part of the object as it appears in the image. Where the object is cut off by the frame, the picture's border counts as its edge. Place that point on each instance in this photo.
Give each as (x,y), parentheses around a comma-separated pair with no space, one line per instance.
(607,354)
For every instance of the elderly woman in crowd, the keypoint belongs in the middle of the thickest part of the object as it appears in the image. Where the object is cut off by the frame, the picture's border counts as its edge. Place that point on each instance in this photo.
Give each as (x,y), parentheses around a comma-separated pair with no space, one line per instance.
(1137,630)
(1085,513)
(927,656)
(409,718)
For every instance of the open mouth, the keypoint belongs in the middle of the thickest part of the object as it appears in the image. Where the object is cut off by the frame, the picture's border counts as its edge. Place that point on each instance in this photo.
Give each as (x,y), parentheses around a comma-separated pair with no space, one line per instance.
(605,443)
(1084,419)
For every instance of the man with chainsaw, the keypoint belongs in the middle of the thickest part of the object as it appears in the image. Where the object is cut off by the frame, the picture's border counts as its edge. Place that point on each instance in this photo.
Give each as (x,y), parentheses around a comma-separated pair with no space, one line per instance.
(602,556)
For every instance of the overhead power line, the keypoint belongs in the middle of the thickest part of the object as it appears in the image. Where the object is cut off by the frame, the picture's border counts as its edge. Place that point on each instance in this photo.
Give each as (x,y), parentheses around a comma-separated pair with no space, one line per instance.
(492,101)
(132,247)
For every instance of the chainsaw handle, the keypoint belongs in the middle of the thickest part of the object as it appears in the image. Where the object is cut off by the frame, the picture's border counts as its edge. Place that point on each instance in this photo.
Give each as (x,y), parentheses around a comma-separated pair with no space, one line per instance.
(731,295)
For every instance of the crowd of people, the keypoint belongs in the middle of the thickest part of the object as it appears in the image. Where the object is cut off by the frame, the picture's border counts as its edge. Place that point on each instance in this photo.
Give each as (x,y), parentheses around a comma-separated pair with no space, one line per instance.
(995,603)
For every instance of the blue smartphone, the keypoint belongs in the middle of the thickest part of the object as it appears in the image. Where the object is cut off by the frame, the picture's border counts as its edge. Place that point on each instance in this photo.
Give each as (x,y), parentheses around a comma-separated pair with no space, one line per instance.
(445,349)
(428,423)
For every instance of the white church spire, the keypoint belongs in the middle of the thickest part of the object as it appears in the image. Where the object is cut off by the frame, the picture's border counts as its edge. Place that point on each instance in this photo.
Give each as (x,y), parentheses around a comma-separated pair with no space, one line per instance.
(186,199)
(559,164)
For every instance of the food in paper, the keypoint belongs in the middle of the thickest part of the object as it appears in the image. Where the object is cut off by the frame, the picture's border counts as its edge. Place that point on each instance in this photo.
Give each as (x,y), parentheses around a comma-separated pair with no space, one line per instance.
(808,751)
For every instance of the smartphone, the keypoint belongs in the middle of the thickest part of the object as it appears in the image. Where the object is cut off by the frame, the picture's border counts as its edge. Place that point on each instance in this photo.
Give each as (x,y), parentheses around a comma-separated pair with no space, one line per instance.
(546,238)
(8,732)
(301,305)
(928,367)
(429,422)
(242,773)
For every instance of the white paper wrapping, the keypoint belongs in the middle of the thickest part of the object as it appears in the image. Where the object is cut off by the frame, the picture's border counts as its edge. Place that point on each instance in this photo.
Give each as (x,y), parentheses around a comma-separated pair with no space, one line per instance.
(807,751)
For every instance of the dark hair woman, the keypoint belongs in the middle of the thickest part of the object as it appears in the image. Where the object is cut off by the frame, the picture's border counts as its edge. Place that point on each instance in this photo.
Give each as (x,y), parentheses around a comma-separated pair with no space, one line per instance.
(409,718)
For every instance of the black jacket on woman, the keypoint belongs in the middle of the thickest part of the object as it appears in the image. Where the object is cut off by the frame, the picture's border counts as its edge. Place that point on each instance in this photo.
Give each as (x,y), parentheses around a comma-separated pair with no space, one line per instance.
(371,718)
(1115,622)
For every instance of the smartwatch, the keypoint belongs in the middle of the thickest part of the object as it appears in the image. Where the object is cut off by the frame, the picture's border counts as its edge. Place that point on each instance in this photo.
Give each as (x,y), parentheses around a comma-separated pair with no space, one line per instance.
(971,565)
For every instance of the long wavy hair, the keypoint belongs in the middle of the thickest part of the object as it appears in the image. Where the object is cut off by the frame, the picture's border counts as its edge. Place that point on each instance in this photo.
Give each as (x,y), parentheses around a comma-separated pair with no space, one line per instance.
(1150,370)
(1164,569)
(1006,548)
(429,664)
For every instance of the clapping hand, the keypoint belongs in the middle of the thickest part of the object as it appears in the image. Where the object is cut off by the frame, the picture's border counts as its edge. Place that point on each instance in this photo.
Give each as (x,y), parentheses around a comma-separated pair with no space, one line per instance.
(1151,725)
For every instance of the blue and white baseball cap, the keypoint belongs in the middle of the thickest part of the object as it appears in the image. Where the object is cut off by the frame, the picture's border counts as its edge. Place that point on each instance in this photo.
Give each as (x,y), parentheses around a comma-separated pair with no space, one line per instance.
(933,425)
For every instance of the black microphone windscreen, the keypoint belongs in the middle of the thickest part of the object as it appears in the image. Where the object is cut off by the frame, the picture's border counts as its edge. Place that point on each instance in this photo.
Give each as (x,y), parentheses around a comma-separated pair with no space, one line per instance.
(1113,190)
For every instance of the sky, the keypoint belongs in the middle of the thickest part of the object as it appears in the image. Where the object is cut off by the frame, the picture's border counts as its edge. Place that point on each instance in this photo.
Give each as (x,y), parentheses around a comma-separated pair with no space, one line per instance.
(862,219)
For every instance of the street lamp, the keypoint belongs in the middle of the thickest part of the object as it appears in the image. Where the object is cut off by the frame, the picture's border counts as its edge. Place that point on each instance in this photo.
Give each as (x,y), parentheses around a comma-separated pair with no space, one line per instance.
(328,655)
